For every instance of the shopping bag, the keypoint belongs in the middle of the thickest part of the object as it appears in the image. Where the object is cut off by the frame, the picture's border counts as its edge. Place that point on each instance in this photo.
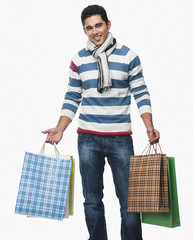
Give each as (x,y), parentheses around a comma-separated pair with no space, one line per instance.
(70,197)
(71,188)
(148,183)
(70,200)
(172,218)
(44,185)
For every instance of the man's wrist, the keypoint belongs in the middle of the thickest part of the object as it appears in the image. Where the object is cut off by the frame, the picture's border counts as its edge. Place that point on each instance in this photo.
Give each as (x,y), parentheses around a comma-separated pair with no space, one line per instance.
(63,123)
(150,128)
(60,128)
(147,119)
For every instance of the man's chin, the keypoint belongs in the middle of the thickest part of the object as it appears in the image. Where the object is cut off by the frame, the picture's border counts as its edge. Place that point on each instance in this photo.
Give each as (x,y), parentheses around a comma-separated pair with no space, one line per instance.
(97,43)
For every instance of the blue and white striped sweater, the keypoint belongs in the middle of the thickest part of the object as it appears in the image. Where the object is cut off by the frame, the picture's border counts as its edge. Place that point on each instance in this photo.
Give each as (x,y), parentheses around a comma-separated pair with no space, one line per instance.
(106,113)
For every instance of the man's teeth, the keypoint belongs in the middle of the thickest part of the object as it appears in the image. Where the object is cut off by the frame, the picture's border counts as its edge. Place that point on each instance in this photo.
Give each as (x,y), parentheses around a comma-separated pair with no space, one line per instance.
(97,38)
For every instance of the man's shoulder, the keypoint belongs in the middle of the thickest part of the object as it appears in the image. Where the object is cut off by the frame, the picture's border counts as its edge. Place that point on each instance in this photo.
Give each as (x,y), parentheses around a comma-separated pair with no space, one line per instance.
(84,52)
(124,50)
(81,55)
(121,49)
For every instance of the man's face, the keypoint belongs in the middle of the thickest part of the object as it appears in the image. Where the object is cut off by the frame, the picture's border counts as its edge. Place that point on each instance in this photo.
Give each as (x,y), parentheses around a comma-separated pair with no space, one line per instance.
(96,29)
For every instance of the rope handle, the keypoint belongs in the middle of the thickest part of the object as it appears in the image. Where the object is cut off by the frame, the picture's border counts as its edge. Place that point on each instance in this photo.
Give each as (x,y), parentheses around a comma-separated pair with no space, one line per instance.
(151,147)
(42,151)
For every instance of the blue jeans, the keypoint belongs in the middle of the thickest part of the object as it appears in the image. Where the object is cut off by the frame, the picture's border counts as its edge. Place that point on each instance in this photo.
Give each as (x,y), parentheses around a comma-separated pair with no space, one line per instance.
(92,152)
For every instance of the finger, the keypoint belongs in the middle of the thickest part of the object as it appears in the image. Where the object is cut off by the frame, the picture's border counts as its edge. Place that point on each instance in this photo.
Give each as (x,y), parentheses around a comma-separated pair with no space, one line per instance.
(156,133)
(49,141)
(46,131)
(154,139)
(152,134)
(157,137)
(153,142)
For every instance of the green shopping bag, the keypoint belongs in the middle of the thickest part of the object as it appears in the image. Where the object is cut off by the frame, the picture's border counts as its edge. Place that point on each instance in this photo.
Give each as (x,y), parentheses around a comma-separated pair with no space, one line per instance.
(71,189)
(172,218)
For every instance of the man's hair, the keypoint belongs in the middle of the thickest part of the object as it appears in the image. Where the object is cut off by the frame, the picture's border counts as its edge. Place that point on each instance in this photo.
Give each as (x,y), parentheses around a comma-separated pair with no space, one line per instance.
(93,10)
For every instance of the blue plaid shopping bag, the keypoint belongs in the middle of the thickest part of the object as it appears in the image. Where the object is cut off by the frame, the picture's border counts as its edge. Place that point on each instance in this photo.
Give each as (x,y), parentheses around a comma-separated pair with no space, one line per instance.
(44,185)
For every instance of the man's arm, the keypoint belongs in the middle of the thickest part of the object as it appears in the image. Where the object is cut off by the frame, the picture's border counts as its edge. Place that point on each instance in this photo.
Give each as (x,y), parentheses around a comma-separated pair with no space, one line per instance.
(152,133)
(141,96)
(56,134)
(70,105)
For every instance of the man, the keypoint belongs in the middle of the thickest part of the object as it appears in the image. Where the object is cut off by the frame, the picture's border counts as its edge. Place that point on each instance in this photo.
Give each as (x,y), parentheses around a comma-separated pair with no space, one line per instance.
(102,77)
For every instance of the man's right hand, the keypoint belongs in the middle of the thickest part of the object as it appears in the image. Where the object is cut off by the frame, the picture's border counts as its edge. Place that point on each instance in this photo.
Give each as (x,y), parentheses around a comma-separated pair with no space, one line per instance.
(54,135)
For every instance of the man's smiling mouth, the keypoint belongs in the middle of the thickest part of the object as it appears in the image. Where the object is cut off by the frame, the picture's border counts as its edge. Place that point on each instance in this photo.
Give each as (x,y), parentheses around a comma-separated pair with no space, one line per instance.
(97,38)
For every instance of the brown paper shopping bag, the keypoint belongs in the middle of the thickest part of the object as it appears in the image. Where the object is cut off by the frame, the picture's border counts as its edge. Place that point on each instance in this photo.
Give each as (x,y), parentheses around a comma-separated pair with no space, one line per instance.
(148,183)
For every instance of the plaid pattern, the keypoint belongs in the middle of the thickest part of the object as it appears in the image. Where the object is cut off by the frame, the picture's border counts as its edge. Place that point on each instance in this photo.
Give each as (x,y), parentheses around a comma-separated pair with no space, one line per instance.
(148,184)
(44,184)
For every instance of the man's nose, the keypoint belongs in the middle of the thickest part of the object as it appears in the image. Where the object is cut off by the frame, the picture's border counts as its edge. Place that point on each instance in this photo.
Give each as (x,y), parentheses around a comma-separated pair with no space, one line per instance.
(95,31)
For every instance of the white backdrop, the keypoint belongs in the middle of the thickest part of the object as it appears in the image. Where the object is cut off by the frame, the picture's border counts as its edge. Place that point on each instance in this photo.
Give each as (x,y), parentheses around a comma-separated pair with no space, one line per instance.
(37,41)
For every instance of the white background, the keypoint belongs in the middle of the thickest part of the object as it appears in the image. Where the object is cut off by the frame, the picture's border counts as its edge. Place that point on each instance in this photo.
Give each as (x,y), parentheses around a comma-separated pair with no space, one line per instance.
(37,40)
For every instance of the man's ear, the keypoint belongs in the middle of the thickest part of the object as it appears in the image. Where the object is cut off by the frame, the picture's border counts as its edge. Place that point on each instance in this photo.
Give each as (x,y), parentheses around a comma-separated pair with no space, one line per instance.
(109,25)
(84,29)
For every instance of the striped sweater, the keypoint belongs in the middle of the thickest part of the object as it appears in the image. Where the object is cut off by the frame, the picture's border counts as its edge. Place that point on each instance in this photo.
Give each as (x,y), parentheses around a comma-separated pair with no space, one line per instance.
(106,113)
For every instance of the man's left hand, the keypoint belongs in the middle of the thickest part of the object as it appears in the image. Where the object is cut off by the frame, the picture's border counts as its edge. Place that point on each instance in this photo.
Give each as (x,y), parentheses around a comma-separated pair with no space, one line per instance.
(153,135)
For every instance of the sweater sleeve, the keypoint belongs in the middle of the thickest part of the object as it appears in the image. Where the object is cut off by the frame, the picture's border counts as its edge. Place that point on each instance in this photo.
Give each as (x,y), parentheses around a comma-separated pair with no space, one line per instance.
(138,86)
(73,95)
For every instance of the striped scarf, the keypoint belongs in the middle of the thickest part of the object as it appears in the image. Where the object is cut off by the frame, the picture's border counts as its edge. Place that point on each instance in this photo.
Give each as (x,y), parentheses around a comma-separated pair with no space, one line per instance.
(101,53)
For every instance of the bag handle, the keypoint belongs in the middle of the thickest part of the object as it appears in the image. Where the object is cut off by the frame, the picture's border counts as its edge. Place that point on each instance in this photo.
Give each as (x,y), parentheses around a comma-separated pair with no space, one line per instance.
(152,147)
(42,151)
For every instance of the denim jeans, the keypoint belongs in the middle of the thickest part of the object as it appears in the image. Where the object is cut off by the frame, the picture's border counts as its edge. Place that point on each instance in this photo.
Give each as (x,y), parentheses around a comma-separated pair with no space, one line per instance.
(92,152)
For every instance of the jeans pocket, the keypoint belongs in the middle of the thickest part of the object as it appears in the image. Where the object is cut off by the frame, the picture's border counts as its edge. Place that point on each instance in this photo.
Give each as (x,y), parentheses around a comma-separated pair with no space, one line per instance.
(124,138)
(83,136)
